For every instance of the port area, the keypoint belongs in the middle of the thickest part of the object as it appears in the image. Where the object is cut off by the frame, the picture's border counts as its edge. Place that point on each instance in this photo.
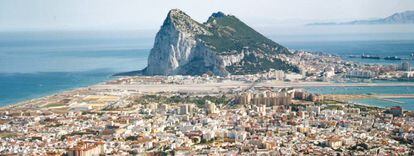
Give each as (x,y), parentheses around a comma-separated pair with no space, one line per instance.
(375,57)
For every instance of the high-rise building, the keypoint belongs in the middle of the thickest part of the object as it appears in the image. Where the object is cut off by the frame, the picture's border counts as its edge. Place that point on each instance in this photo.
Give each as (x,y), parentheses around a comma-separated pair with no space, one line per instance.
(361,74)
(268,98)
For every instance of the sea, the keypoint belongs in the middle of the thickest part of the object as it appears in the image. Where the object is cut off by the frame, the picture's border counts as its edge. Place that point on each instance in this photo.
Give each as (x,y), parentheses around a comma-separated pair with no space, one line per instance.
(36,64)
(43,63)
(405,103)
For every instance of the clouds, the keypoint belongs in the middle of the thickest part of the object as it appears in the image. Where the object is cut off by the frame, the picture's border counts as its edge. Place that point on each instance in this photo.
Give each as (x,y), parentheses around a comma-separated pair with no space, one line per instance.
(140,14)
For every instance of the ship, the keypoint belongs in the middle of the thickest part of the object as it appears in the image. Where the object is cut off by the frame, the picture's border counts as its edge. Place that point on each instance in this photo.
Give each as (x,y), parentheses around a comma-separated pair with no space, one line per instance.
(392,58)
(353,56)
(363,56)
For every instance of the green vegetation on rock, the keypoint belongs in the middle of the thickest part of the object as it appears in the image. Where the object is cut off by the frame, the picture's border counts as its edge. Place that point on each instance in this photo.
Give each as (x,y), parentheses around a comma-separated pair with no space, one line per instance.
(231,34)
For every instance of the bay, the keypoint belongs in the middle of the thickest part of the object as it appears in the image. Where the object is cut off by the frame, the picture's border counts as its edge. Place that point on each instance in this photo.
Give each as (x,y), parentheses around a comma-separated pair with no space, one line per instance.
(38,64)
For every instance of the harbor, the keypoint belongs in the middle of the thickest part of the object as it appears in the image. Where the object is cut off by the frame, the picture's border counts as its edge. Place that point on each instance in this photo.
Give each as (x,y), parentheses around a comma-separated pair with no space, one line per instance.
(377,57)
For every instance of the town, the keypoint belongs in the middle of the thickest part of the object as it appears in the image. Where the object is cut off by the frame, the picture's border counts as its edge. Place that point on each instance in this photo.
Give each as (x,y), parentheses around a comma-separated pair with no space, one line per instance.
(185,115)
(265,78)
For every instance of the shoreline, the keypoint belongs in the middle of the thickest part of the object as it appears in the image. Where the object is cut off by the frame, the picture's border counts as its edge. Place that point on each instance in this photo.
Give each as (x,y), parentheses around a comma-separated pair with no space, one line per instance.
(63,91)
(22,103)
(45,84)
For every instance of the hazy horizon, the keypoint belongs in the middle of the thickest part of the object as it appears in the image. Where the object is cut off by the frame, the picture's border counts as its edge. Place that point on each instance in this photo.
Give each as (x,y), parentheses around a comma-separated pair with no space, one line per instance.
(30,15)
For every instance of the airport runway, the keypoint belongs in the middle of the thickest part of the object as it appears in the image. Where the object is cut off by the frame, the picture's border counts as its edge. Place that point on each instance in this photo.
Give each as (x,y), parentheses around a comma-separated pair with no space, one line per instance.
(234,85)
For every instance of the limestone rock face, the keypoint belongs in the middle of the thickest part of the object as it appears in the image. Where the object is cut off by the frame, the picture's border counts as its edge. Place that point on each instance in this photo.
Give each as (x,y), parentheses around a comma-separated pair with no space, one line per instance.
(185,47)
(176,46)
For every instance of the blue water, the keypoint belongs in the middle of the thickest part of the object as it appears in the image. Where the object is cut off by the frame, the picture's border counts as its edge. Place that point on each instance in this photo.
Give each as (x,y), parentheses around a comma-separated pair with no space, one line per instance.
(362,90)
(37,64)
(33,66)
(22,86)
(408,103)
(382,48)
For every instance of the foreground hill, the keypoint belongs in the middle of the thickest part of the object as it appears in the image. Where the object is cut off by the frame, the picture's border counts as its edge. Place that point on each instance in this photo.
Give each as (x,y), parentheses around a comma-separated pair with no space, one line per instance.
(223,45)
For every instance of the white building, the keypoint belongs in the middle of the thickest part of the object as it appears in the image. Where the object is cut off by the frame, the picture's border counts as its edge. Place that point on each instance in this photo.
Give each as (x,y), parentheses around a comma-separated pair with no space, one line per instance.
(211,107)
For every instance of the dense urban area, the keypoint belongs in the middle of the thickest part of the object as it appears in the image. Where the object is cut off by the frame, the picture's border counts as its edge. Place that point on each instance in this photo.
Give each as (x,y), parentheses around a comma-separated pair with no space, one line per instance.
(267,113)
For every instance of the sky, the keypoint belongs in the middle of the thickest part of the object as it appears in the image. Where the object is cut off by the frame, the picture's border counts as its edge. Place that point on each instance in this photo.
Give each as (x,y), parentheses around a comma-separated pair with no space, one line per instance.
(27,15)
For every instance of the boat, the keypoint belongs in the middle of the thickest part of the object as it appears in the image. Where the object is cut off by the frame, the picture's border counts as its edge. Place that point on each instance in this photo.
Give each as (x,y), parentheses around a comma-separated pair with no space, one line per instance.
(363,56)
(392,58)
(353,56)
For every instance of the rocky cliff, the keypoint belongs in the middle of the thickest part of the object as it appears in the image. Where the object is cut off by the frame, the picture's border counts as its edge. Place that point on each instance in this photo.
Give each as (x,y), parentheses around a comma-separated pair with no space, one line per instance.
(222,45)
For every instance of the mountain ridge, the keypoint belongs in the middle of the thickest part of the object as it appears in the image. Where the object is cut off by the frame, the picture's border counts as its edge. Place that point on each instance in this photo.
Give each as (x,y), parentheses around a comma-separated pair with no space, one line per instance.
(406,17)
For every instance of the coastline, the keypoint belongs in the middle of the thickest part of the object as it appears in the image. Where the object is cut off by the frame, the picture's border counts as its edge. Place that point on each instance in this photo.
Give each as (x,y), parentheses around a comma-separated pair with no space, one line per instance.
(21,87)
(63,91)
